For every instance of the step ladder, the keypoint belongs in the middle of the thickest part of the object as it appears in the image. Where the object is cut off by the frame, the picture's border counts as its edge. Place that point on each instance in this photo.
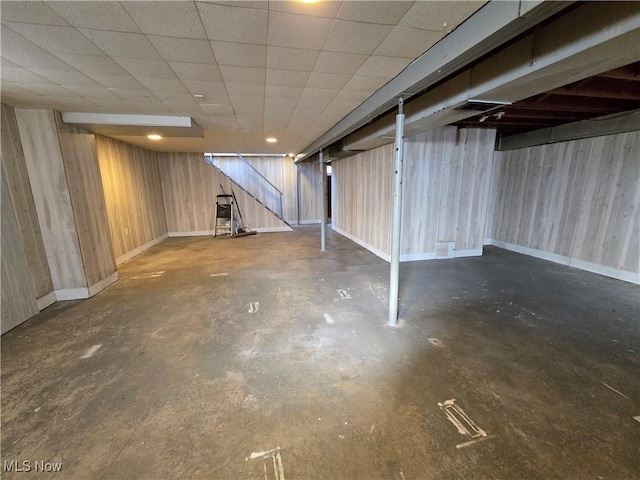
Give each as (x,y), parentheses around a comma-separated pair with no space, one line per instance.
(225,221)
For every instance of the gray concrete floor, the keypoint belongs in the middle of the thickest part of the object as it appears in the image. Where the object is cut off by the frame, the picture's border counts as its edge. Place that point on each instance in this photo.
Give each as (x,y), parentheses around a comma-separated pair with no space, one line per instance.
(190,379)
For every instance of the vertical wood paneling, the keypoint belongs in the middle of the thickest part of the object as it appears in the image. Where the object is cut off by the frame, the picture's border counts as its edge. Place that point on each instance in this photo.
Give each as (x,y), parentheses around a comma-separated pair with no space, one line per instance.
(87,199)
(362,196)
(39,138)
(310,207)
(190,186)
(133,194)
(18,291)
(19,189)
(576,199)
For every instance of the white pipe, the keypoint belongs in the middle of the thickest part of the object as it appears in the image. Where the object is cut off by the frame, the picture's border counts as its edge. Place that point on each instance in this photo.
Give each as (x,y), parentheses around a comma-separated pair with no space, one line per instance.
(323,233)
(396,220)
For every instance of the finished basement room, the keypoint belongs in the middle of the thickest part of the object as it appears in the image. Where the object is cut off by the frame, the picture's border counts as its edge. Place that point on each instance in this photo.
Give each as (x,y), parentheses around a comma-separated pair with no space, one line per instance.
(320,239)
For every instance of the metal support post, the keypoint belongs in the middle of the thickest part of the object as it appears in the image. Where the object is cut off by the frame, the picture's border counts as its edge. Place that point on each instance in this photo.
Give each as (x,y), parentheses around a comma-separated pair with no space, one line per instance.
(396,220)
(323,226)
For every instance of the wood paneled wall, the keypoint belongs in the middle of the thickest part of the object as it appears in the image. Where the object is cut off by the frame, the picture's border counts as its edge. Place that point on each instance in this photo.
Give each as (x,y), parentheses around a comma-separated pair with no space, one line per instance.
(190,186)
(309,178)
(446,186)
(18,291)
(87,199)
(133,195)
(578,201)
(362,198)
(40,143)
(19,189)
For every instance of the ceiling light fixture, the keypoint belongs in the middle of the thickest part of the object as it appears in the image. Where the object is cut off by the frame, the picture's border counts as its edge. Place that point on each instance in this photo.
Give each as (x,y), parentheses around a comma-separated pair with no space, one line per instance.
(154,136)
(271,139)
(198,95)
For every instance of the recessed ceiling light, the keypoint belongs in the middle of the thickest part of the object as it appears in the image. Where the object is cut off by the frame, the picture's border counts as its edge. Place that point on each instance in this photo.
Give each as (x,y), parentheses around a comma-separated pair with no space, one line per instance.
(308,1)
(198,95)
(271,139)
(154,137)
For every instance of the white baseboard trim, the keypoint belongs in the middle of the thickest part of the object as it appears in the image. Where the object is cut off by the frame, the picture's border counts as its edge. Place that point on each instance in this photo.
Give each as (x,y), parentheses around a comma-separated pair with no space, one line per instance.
(102,284)
(624,275)
(137,251)
(309,222)
(417,257)
(46,300)
(472,252)
(487,241)
(72,294)
(365,245)
(532,252)
(272,229)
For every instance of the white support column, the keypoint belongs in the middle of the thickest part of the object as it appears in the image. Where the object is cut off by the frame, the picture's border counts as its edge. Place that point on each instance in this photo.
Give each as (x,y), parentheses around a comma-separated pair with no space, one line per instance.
(396,220)
(297,193)
(323,225)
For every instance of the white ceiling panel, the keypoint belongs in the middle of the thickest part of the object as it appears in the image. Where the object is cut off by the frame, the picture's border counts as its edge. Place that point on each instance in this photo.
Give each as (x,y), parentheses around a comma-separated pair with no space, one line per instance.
(122,44)
(286,78)
(97,15)
(354,37)
(55,39)
(234,24)
(196,71)
(285,68)
(291,58)
(171,19)
(385,13)
(31,12)
(297,31)
(183,49)
(240,54)
(407,42)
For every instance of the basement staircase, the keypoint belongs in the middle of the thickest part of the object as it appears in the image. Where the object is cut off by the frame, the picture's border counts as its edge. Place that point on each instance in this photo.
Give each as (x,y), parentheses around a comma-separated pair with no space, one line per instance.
(246,177)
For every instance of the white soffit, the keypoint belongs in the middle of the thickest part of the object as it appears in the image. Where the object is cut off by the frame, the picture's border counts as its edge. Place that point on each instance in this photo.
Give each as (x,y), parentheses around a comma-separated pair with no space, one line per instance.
(134,125)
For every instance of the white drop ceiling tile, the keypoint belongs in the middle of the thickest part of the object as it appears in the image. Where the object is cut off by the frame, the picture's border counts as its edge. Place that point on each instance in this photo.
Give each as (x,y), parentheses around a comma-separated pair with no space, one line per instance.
(433,15)
(67,79)
(196,71)
(354,37)
(242,101)
(336,62)
(171,19)
(92,64)
(286,78)
(184,109)
(317,106)
(23,76)
(8,64)
(214,99)
(162,84)
(97,15)
(118,81)
(385,67)
(291,58)
(205,88)
(385,13)
(276,91)
(297,31)
(249,75)
(174,97)
(18,50)
(139,67)
(407,42)
(245,89)
(339,108)
(122,44)
(99,94)
(50,91)
(217,109)
(363,83)
(234,24)
(55,39)
(31,12)
(259,4)
(280,103)
(152,108)
(248,110)
(317,9)
(352,96)
(240,54)
(327,80)
(140,96)
(183,49)
(318,94)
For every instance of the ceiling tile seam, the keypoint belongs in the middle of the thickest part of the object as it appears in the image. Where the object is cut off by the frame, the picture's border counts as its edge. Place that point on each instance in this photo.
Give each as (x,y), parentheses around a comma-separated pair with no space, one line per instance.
(55,13)
(216,60)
